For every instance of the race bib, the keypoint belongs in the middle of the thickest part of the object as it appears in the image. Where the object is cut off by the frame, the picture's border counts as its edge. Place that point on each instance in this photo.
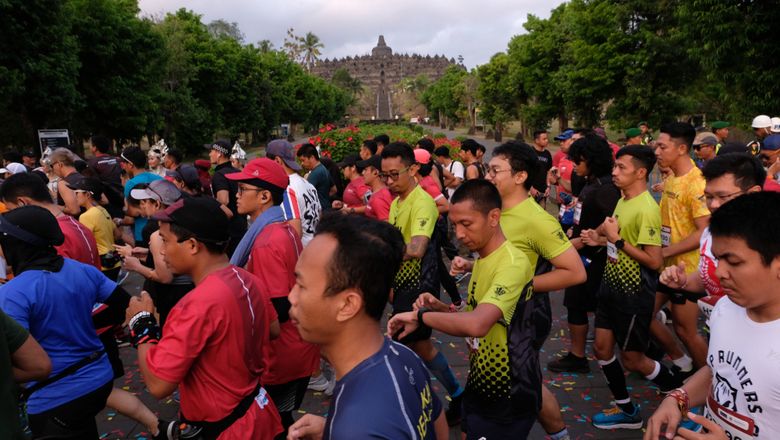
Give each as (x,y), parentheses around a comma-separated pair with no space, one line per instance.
(577,213)
(472,343)
(612,252)
(561,212)
(666,236)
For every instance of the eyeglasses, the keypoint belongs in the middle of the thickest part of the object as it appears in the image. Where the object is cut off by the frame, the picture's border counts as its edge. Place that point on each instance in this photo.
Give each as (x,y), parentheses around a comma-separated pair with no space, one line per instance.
(721,198)
(392,174)
(493,171)
(243,189)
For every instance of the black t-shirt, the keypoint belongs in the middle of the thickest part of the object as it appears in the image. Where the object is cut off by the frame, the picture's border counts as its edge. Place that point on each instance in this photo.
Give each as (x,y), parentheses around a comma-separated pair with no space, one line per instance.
(12,337)
(545,163)
(219,182)
(108,170)
(598,200)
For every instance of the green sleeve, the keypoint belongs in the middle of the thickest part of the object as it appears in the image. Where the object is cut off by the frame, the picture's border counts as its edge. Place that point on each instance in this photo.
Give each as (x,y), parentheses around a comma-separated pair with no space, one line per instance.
(511,284)
(424,216)
(14,334)
(650,227)
(550,239)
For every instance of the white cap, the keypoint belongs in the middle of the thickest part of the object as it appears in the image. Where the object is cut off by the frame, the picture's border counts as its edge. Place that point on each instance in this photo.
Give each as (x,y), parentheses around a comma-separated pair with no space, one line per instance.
(13,168)
(775,125)
(761,121)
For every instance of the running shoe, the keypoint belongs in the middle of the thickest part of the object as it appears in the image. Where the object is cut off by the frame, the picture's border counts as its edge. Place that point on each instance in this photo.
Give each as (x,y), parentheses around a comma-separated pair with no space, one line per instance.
(322,384)
(569,364)
(616,418)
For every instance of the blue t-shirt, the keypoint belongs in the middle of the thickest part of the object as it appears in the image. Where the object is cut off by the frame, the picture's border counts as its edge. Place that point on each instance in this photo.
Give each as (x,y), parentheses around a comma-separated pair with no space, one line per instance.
(319,177)
(387,396)
(56,307)
(140,222)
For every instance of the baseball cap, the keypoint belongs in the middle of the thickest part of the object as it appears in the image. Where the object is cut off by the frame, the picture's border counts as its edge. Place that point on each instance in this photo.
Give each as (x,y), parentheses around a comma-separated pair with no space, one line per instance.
(88,184)
(161,190)
(13,168)
(775,125)
(221,145)
(733,147)
(422,156)
(761,121)
(186,173)
(201,216)
(566,135)
(262,171)
(33,225)
(633,132)
(771,143)
(28,153)
(284,150)
(373,161)
(349,161)
(717,125)
(705,138)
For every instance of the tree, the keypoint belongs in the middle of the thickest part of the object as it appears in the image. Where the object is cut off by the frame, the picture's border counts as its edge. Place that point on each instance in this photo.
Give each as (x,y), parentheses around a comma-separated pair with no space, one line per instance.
(499,102)
(444,98)
(342,79)
(310,45)
(222,29)
(265,46)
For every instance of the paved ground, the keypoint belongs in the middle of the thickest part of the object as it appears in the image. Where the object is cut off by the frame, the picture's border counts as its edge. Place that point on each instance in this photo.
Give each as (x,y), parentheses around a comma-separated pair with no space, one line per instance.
(580,395)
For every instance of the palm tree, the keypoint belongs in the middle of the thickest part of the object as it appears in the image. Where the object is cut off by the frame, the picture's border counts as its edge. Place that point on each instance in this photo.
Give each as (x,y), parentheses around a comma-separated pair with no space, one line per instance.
(310,47)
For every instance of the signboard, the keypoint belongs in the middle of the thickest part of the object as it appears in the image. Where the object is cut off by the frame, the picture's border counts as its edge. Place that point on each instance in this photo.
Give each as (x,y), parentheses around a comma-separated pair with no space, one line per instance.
(53,139)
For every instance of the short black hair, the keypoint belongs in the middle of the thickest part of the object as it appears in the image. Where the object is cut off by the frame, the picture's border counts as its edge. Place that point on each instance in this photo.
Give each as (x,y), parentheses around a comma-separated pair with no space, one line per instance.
(538,133)
(442,152)
(641,155)
(101,143)
(367,257)
(176,154)
(595,151)
(12,156)
(754,218)
(399,149)
(371,145)
(521,157)
(746,168)
(426,144)
(470,145)
(681,132)
(483,195)
(308,150)
(24,185)
(382,139)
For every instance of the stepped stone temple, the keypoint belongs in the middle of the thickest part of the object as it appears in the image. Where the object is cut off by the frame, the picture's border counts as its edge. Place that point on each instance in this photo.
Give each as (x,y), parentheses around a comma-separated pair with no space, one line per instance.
(381,71)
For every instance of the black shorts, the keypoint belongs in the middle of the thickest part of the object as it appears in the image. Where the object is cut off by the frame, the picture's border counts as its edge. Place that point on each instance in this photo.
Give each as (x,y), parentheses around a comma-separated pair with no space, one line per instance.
(632,331)
(112,351)
(585,296)
(74,419)
(477,427)
(288,396)
(403,301)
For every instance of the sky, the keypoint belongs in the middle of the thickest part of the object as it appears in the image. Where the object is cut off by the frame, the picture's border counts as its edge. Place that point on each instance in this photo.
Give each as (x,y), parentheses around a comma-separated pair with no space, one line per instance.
(474,29)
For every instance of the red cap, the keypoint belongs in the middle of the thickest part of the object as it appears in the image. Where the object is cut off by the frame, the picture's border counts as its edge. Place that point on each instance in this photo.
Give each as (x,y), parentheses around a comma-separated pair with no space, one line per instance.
(263,169)
(422,156)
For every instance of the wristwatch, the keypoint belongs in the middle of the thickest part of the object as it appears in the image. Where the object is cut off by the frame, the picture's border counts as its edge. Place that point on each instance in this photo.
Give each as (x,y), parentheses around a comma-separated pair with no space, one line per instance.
(420,312)
(620,243)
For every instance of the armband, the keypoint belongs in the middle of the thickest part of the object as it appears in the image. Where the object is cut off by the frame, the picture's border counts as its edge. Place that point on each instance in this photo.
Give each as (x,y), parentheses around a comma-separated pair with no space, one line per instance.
(683,402)
(144,329)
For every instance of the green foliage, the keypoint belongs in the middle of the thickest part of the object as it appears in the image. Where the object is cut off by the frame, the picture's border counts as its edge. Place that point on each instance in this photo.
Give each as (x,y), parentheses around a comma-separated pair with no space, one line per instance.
(445,97)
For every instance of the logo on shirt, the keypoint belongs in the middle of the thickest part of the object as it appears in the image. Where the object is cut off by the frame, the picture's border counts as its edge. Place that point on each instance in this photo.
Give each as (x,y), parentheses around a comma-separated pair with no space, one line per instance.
(561,236)
(651,232)
(423,222)
(410,374)
(724,393)
(500,290)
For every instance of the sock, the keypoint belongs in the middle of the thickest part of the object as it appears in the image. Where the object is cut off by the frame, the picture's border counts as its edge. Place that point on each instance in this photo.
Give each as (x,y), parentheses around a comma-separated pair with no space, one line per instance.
(685,363)
(563,434)
(441,369)
(616,381)
(663,377)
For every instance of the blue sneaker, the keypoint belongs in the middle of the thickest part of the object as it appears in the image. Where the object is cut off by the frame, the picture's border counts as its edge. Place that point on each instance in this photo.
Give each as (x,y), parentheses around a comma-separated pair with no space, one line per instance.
(616,418)
(690,424)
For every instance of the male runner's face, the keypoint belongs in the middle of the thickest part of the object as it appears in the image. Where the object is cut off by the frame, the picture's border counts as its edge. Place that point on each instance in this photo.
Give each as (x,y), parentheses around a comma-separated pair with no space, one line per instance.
(315,314)
(625,172)
(742,273)
(174,253)
(392,167)
(666,150)
(500,174)
(722,189)
(472,227)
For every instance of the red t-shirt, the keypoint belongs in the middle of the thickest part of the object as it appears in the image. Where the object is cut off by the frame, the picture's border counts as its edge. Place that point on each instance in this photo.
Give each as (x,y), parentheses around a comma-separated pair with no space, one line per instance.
(379,204)
(557,157)
(212,349)
(565,168)
(429,185)
(272,260)
(79,244)
(355,192)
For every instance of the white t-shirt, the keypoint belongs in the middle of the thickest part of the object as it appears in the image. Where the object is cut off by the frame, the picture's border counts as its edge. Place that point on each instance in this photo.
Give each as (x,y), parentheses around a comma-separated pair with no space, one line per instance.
(301,202)
(744,356)
(456,169)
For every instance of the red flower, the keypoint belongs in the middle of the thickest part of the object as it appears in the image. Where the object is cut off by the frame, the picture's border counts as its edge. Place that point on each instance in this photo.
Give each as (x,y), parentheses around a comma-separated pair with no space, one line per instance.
(349,138)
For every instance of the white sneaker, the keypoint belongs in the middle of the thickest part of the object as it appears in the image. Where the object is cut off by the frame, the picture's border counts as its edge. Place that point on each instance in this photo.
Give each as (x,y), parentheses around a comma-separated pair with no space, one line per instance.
(319,383)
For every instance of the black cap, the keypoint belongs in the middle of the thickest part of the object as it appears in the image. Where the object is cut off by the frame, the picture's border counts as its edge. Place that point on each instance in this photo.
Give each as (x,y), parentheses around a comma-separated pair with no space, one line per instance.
(221,145)
(349,161)
(202,216)
(89,184)
(187,174)
(33,225)
(373,161)
(28,153)
(733,147)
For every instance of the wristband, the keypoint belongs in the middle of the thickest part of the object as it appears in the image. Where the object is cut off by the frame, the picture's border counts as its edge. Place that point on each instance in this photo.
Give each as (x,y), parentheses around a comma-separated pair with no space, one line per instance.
(683,402)
(420,313)
(144,329)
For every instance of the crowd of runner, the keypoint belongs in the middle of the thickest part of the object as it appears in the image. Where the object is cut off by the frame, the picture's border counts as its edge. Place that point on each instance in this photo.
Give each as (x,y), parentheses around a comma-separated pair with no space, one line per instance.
(267,277)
